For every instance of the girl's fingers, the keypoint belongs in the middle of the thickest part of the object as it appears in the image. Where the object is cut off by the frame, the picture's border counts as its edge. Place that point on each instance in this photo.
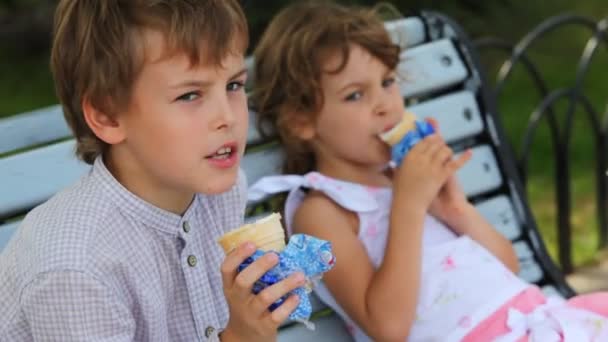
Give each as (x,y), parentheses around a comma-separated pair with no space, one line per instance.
(433,123)
(423,146)
(462,159)
(443,155)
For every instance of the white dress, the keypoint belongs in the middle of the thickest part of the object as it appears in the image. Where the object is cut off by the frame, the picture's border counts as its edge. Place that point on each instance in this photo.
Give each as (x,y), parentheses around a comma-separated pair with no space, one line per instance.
(462,283)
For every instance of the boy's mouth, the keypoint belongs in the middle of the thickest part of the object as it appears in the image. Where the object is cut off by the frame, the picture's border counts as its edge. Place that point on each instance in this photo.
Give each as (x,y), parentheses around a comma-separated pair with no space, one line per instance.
(225,152)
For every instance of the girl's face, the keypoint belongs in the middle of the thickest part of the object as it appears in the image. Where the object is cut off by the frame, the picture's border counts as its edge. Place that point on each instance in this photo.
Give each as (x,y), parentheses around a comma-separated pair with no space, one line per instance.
(360,102)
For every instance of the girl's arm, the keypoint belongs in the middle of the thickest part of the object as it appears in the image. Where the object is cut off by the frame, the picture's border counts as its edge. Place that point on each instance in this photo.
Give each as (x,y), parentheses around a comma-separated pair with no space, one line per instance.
(383,301)
(464,218)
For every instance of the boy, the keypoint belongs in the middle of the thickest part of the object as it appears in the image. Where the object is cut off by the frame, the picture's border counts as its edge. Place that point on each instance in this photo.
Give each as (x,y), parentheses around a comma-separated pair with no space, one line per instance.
(153,91)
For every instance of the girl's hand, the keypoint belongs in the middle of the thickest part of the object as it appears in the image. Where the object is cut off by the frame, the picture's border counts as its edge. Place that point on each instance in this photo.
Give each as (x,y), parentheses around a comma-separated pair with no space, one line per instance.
(250,319)
(451,204)
(425,170)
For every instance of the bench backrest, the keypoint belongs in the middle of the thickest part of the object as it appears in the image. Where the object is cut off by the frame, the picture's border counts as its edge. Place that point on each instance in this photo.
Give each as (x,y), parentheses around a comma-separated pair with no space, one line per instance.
(444,80)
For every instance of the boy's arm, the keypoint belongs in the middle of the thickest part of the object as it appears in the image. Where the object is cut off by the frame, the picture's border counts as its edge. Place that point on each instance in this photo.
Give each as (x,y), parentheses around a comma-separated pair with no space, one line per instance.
(74,306)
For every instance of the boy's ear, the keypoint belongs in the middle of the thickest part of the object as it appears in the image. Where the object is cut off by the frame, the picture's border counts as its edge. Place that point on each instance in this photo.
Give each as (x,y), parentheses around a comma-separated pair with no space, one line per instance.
(103,125)
(302,125)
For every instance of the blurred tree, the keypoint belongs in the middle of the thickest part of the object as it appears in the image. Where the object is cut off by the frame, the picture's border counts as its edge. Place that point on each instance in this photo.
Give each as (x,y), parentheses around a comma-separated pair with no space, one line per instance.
(26,25)
(259,15)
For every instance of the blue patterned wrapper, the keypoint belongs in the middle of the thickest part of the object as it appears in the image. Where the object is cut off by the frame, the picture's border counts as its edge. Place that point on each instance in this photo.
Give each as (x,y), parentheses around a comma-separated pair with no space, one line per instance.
(410,139)
(303,253)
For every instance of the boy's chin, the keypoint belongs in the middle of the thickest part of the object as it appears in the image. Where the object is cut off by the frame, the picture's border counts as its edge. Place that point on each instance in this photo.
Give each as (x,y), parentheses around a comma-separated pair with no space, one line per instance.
(218,184)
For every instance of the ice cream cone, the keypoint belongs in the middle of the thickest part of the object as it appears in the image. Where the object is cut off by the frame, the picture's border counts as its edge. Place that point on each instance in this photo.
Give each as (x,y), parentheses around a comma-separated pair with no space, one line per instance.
(394,135)
(267,234)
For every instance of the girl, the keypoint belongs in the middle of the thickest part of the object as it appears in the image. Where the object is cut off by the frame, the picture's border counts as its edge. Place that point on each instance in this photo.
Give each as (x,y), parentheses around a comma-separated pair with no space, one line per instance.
(415,260)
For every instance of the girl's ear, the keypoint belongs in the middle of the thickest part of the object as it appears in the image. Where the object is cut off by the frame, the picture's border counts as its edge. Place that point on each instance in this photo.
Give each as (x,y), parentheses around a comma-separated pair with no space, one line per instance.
(301,125)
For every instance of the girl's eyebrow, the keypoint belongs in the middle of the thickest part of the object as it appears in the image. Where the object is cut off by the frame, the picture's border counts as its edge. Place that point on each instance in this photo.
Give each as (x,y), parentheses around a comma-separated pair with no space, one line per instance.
(362,84)
(351,85)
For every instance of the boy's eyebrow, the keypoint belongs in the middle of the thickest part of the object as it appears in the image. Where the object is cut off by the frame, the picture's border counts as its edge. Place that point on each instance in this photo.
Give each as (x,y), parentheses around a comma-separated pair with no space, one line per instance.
(205,84)
(239,74)
(192,84)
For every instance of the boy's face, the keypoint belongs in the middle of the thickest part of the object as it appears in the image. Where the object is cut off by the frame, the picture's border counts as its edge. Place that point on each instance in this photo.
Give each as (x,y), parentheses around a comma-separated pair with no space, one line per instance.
(185,127)
(360,102)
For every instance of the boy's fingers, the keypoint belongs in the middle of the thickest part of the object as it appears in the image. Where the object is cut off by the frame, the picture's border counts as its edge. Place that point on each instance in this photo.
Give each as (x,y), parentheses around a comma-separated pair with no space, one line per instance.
(280,314)
(247,277)
(233,260)
(272,293)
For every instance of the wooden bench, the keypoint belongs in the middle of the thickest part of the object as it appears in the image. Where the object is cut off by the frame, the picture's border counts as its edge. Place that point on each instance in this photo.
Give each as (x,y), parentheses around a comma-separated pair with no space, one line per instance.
(444,80)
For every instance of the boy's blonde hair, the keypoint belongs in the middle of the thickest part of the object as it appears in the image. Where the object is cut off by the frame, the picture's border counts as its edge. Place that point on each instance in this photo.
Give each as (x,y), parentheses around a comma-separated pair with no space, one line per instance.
(97,50)
(289,60)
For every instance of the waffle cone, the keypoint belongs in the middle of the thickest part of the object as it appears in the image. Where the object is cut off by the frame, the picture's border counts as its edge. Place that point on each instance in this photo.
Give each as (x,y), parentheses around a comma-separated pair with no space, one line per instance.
(267,234)
(407,124)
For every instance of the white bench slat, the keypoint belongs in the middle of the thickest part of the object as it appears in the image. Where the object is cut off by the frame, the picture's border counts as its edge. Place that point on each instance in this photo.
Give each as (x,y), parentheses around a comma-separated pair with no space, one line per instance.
(481,173)
(457,115)
(406,32)
(6,232)
(523,250)
(327,329)
(262,163)
(551,291)
(29,178)
(530,271)
(500,213)
(430,67)
(32,128)
(253,136)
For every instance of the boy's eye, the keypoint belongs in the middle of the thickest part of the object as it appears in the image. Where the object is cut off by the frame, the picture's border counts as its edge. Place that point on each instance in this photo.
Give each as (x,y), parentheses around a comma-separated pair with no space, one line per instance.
(188,97)
(388,82)
(354,96)
(235,86)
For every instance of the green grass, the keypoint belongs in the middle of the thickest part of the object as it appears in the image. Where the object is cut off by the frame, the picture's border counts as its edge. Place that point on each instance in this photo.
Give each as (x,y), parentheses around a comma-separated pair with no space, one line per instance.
(25,84)
(517,102)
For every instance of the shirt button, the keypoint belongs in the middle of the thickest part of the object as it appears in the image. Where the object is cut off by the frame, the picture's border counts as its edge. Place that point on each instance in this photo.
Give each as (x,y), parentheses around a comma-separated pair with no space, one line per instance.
(186,226)
(191,260)
(209,331)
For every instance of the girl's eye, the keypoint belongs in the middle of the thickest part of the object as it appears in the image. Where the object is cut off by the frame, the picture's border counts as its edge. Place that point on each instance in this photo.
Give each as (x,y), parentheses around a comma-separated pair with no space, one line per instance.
(235,86)
(189,97)
(354,96)
(388,82)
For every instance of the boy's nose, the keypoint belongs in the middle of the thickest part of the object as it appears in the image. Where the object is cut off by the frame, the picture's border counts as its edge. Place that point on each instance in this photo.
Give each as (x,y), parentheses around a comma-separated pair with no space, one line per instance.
(224,116)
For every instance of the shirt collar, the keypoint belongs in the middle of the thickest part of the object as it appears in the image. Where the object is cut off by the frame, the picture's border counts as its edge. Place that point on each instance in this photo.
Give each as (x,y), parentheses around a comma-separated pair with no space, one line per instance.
(135,207)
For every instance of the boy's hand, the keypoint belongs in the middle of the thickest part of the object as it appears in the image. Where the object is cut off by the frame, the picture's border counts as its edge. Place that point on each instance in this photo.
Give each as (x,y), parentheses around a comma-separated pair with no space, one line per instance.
(250,319)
